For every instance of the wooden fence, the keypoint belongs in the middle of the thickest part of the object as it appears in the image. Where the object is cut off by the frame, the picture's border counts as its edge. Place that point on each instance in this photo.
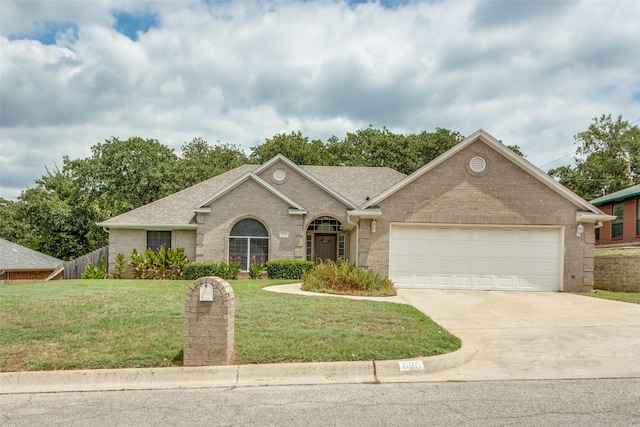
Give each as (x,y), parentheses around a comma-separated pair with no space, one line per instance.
(73,269)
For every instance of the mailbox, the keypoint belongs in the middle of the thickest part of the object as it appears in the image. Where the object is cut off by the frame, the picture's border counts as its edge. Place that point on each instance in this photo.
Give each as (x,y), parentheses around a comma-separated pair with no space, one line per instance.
(206,292)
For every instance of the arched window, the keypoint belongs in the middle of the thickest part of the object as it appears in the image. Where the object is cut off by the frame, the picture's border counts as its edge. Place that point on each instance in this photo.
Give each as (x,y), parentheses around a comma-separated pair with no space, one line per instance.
(248,243)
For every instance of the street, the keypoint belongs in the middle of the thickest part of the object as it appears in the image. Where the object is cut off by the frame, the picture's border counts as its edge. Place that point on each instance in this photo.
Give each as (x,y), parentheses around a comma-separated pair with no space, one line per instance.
(585,402)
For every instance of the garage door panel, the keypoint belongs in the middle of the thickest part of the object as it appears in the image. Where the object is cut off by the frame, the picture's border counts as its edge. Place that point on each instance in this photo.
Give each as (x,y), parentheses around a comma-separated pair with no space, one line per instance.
(475,258)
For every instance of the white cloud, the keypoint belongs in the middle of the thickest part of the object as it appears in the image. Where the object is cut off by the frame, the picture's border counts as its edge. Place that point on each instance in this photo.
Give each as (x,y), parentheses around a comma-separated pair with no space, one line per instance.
(530,73)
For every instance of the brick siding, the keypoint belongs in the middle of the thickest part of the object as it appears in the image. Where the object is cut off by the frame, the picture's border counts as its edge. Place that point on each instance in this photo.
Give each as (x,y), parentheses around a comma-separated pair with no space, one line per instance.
(619,273)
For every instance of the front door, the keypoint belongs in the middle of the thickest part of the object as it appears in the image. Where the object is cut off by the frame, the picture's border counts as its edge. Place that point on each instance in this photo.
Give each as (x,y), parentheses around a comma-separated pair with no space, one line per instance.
(326,247)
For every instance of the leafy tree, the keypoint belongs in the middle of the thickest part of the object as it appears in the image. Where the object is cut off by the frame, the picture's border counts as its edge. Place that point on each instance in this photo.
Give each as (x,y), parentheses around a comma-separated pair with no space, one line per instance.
(381,147)
(607,160)
(201,161)
(293,146)
(124,175)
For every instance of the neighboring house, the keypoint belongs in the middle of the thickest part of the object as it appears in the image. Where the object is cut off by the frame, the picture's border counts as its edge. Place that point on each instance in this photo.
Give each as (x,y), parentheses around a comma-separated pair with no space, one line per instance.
(477,217)
(625,228)
(20,263)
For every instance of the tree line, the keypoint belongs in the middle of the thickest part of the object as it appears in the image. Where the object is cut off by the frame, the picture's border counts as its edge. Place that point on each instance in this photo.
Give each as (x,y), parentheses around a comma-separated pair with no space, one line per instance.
(58,215)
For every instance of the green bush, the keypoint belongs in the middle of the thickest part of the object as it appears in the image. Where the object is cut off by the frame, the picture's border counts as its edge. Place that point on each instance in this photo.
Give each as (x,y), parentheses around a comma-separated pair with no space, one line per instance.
(161,264)
(288,268)
(94,272)
(226,271)
(345,279)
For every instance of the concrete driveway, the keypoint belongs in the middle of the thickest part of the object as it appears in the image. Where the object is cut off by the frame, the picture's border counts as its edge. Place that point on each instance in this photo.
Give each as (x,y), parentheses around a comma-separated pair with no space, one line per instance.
(535,335)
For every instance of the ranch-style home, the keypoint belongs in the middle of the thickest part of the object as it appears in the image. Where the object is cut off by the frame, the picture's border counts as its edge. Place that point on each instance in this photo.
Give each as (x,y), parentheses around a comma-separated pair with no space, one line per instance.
(477,217)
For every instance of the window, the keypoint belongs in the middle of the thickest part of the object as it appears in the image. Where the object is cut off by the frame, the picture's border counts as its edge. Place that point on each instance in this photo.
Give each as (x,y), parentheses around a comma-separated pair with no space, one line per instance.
(248,243)
(618,223)
(597,234)
(156,239)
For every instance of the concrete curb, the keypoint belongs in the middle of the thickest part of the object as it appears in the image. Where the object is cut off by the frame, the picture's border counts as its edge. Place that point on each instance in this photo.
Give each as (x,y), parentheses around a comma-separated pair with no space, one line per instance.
(387,371)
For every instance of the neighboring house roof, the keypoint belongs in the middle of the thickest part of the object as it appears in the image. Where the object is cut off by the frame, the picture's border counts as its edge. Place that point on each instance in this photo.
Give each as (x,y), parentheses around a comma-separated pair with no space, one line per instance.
(14,257)
(626,193)
(591,212)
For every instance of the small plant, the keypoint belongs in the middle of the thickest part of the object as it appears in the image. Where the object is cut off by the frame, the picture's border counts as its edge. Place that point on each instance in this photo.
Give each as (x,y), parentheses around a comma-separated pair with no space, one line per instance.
(346,279)
(161,264)
(120,266)
(256,268)
(94,272)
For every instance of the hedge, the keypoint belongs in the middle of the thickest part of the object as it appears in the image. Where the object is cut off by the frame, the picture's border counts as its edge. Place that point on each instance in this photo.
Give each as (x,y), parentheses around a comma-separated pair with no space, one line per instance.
(288,269)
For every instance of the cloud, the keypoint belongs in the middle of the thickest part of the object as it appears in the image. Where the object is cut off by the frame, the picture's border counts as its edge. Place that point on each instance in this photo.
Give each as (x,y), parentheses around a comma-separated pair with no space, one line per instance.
(530,73)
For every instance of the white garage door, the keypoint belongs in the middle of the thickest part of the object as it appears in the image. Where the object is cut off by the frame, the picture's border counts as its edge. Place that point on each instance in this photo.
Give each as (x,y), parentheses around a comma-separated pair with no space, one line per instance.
(501,258)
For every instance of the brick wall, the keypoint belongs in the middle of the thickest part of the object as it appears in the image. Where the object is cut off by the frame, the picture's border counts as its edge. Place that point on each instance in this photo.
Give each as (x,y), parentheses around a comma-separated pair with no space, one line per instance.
(28,275)
(505,195)
(287,232)
(620,273)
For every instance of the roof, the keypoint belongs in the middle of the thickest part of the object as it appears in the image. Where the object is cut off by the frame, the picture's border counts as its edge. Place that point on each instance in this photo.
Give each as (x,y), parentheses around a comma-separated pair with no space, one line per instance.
(626,193)
(176,210)
(14,257)
(372,180)
(483,136)
(350,184)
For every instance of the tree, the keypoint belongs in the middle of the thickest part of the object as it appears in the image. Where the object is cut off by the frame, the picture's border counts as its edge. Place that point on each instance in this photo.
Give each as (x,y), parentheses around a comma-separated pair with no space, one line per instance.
(607,160)
(124,175)
(201,161)
(293,146)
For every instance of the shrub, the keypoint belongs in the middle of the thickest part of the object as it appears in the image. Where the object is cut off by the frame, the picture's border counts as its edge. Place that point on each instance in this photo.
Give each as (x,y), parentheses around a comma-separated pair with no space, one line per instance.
(94,272)
(160,264)
(226,271)
(288,268)
(345,279)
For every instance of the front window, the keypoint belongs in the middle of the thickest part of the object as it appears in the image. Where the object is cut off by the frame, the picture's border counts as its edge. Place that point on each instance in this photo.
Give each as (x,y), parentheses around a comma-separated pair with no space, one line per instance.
(617,224)
(157,239)
(248,243)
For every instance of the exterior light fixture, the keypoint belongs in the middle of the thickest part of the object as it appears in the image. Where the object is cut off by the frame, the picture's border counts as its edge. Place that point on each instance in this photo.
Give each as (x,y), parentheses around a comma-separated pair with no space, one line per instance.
(374,226)
(580,230)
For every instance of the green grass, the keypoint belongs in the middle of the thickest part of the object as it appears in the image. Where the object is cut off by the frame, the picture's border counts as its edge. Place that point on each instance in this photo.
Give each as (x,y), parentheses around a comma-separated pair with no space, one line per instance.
(83,324)
(633,297)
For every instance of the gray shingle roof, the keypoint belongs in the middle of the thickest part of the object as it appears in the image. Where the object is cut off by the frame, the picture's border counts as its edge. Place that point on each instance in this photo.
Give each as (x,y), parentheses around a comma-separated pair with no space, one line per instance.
(354,183)
(177,209)
(14,257)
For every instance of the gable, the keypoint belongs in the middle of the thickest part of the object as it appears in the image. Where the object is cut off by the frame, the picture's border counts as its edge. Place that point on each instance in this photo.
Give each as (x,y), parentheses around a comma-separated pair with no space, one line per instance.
(503,193)
(492,146)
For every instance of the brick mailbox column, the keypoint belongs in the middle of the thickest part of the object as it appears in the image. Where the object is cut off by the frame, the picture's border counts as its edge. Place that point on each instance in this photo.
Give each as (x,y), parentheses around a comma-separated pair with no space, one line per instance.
(209,320)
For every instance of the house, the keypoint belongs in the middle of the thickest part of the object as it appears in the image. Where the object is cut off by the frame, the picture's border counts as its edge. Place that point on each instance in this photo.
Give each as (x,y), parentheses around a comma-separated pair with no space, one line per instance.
(624,230)
(20,263)
(477,217)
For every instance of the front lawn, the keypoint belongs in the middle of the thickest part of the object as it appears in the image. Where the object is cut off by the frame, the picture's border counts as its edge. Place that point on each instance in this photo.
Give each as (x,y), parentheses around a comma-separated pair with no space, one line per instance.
(633,297)
(83,324)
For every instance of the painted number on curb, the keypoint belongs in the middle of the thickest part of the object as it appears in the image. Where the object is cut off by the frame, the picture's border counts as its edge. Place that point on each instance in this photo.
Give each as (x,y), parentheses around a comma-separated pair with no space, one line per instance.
(411,365)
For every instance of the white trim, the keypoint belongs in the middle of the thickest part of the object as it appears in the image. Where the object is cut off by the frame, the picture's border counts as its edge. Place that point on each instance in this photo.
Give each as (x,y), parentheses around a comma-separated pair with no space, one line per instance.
(307,175)
(149,227)
(249,175)
(371,213)
(481,135)
(591,217)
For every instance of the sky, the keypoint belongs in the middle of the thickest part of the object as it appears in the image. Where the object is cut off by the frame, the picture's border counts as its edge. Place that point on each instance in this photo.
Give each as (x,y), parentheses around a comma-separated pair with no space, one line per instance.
(531,73)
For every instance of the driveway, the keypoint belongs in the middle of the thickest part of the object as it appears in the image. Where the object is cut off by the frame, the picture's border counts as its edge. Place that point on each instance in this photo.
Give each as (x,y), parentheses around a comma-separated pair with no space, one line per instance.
(535,335)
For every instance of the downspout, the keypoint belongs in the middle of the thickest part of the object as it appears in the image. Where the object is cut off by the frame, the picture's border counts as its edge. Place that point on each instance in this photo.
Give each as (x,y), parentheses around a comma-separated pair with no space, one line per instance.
(357,225)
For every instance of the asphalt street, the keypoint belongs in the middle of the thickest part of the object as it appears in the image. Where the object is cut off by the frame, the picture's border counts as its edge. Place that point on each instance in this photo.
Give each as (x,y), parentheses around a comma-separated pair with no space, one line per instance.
(586,402)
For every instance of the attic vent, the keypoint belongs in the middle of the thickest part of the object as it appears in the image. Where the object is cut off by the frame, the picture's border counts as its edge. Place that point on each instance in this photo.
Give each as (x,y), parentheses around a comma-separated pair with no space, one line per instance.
(478,164)
(279,175)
